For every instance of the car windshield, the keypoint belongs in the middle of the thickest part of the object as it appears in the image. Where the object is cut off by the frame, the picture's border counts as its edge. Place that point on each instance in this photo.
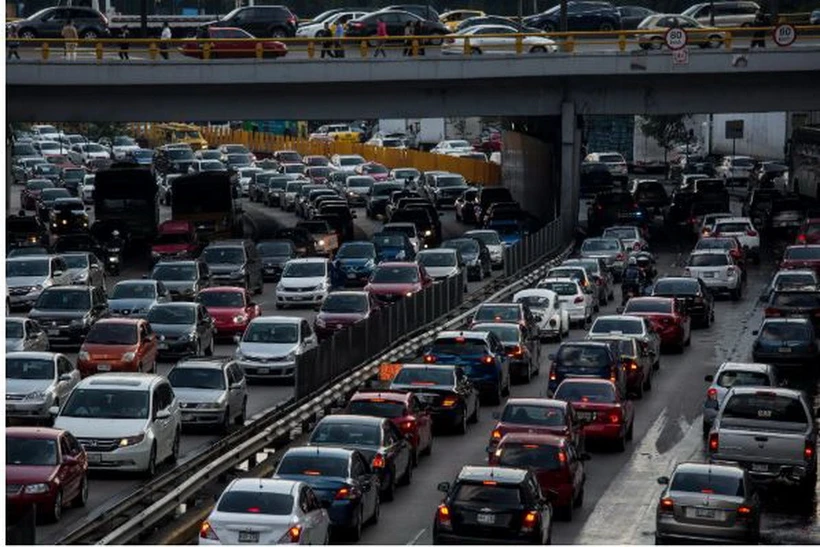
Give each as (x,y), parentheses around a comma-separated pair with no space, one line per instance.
(39,184)
(356,251)
(704,482)
(776,331)
(108,404)
(468,247)
(586,392)
(197,378)
(796,300)
(525,456)
(35,452)
(765,405)
(672,287)
(618,325)
(595,245)
(794,280)
(313,465)
(395,274)
(272,333)
(320,171)
(359,182)
(376,406)
(578,274)
(384,190)
(802,253)
(112,334)
(172,315)
(211,165)
(488,312)
(275,248)
(409,229)
(561,288)
(538,415)
(620,233)
(23,368)
(221,299)
(392,143)
(583,356)
(737,378)
(293,168)
(431,376)
(134,290)
(76,261)
(450,181)
(437,259)
(405,173)
(351,161)
(53,194)
(180,154)
(26,268)
(492,495)
(375,168)
(534,301)
(14,329)
(304,269)
(223,255)
(648,306)
(174,272)
(389,240)
(731,227)
(346,434)
(124,141)
(505,333)
(345,303)
(64,300)
(489,238)
(238,159)
(255,502)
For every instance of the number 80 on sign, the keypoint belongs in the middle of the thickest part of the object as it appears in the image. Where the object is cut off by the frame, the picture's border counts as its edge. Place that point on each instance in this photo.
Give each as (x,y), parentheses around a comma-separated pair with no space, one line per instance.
(676,38)
(784,35)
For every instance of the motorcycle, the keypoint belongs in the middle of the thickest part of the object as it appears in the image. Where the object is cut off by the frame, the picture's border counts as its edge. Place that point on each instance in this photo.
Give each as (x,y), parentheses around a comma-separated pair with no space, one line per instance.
(113,259)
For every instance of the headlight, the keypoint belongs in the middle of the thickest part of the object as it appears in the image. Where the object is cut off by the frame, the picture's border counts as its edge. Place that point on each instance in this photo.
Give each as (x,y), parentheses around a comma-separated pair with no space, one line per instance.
(189,336)
(212,406)
(428,233)
(321,242)
(114,259)
(37,288)
(131,441)
(291,356)
(409,293)
(36,396)
(82,276)
(129,356)
(240,319)
(370,264)
(83,356)
(38,488)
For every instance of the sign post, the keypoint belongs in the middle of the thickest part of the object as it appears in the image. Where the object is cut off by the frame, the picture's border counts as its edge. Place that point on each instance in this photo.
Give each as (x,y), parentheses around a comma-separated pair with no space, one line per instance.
(734,131)
(784,35)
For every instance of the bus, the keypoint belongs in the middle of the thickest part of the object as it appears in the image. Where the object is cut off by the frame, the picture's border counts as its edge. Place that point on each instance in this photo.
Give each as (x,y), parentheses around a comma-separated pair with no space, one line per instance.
(210,202)
(127,197)
(176,133)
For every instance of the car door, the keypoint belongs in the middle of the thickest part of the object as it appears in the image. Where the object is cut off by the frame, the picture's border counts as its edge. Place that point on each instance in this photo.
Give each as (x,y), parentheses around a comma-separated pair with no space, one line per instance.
(147,350)
(64,387)
(204,325)
(66,474)
(59,271)
(236,387)
(576,467)
(167,426)
(424,421)
(395,447)
(368,483)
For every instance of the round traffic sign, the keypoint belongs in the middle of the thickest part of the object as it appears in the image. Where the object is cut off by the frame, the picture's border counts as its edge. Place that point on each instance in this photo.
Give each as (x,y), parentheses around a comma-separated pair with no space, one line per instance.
(676,38)
(784,35)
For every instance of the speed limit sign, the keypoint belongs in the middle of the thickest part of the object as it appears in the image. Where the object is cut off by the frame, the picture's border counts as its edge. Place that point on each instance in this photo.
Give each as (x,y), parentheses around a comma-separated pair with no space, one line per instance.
(676,38)
(784,35)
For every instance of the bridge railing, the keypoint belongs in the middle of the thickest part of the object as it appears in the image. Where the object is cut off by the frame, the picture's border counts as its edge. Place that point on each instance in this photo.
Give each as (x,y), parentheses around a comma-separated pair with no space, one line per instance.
(330,49)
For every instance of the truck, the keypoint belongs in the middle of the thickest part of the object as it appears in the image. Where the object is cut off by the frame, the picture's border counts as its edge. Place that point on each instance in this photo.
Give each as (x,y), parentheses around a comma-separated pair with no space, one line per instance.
(210,202)
(425,133)
(125,197)
(804,162)
(183,25)
(770,432)
(174,133)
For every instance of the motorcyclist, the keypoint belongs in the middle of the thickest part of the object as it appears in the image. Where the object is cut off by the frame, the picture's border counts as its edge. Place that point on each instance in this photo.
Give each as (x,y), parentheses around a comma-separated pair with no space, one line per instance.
(646,262)
(634,281)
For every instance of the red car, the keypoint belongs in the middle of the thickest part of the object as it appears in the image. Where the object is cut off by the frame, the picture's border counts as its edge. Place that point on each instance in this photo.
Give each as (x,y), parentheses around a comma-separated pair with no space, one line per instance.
(176,239)
(809,232)
(404,410)
(801,256)
(318,173)
(606,415)
(341,309)
(231,43)
(379,172)
(392,281)
(554,461)
(231,308)
(539,416)
(31,193)
(670,321)
(45,467)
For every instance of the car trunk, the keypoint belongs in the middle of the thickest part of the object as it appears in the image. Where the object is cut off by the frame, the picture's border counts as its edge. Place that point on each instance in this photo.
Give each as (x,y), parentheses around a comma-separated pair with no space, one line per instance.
(240,528)
(486,520)
(762,443)
(709,509)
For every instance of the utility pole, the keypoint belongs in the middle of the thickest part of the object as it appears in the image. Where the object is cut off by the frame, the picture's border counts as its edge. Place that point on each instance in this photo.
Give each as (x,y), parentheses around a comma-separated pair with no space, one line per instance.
(520,12)
(564,26)
(711,13)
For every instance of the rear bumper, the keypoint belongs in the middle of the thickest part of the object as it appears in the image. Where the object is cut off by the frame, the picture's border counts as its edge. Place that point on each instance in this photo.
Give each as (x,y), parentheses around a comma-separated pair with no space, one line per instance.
(794,358)
(667,527)
(450,538)
(604,432)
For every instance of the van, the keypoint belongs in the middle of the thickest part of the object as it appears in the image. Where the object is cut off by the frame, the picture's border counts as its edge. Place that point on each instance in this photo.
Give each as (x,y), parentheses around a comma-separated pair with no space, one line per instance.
(727,14)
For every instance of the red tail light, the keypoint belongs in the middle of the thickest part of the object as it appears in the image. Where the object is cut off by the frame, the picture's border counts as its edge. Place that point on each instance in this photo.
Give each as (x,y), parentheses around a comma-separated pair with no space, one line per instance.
(808,451)
(801,238)
(295,533)
(378,462)
(496,435)
(488,360)
(429,358)
(600,207)
(631,365)
(667,505)
(408,424)
(714,442)
(449,401)
(751,233)
(711,394)
(615,416)
(744,511)
(613,375)
(578,299)
(531,520)
(206,532)
(553,376)
(443,516)
(516,351)
(771,312)
(347,493)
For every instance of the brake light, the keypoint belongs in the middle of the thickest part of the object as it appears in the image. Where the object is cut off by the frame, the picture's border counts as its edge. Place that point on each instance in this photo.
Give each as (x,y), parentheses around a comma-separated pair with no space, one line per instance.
(562,456)
(378,462)
(692,220)
(516,351)
(449,401)
(496,435)
(292,20)
(429,358)
(752,233)
(744,511)
(444,516)
(808,451)
(801,238)
(714,442)
(409,423)
(771,312)
(531,519)
(294,533)
(631,364)
(615,416)
(553,376)
(488,360)
(711,394)
(667,505)
(578,299)
(206,532)
(347,493)
(613,375)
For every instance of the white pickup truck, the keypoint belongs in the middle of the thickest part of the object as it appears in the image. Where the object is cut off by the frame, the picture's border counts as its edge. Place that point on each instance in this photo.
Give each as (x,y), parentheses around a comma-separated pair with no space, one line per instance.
(770,432)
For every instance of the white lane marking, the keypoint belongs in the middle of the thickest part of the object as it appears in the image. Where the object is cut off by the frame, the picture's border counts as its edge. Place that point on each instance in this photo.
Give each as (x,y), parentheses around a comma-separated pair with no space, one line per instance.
(634,491)
(417,537)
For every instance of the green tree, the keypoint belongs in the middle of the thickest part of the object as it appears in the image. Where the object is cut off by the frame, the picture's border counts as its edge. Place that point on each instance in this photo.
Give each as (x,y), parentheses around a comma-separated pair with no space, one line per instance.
(667,130)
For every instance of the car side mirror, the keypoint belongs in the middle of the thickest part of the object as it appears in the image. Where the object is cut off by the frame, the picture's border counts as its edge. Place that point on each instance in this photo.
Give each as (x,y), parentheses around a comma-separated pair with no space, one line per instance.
(236,385)
(163,414)
(54,410)
(663,480)
(65,378)
(70,460)
(443,487)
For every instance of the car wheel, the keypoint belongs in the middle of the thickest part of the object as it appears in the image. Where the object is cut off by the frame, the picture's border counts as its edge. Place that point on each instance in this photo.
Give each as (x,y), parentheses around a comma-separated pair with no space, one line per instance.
(56,511)
(656,42)
(538,49)
(647,385)
(82,495)
(89,35)
(657,364)
(240,420)
(606,27)
(428,449)
(278,33)
(475,51)
(28,34)
(579,499)
(151,470)
(715,42)
(356,529)
(639,392)
(565,513)
(630,432)
(377,510)
(620,444)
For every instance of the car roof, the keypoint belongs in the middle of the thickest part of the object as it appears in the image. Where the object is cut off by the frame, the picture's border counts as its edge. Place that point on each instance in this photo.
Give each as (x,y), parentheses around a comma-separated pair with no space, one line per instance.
(269,319)
(204,362)
(119,321)
(620,317)
(469,334)
(352,418)
(709,252)
(778,391)
(308,260)
(30,257)
(239,290)
(506,475)
(34,432)
(176,304)
(397,265)
(44,355)
(271,486)
(795,320)
(756,367)
(537,401)
(722,470)
(728,219)
(131,381)
(498,325)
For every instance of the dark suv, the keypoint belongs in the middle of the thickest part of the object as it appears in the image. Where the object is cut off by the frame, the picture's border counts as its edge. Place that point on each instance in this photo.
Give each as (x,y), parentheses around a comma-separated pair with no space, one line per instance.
(173,158)
(67,313)
(49,23)
(581,15)
(235,262)
(261,21)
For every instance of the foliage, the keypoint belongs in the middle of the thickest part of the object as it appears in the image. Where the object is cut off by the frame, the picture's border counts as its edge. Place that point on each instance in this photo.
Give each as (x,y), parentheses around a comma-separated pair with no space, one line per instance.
(667,130)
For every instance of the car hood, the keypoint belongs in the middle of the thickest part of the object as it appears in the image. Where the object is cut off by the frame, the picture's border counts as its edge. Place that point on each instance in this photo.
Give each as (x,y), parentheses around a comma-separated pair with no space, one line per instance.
(266,351)
(179,285)
(100,427)
(171,331)
(15,344)
(438,272)
(24,387)
(57,314)
(300,282)
(392,288)
(108,351)
(131,304)
(25,281)
(191,395)
(29,474)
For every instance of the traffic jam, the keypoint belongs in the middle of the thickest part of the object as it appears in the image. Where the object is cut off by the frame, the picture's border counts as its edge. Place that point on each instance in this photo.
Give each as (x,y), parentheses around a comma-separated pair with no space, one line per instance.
(141,314)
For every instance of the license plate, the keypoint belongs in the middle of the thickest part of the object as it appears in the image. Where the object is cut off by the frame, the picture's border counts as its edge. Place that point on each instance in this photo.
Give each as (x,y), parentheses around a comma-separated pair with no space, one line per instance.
(262,371)
(351,276)
(785,350)
(54,332)
(585,415)
(299,297)
(705,513)
(188,417)
(761,467)
(708,274)
(249,537)
(94,458)
(483,518)
(103,368)
(162,345)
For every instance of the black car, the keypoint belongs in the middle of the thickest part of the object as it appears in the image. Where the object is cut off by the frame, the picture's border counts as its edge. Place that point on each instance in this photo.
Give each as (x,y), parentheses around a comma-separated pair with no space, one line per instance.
(378,439)
(631,16)
(25,231)
(476,256)
(302,240)
(581,15)
(173,159)
(616,207)
(595,177)
(425,11)
(452,398)
(692,295)
(67,313)
(395,21)
(343,481)
(48,197)
(235,263)
(425,225)
(261,21)
(376,201)
(274,253)
(49,23)
(650,194)
(493,505)
(587,358)
(183,329)
(68,215)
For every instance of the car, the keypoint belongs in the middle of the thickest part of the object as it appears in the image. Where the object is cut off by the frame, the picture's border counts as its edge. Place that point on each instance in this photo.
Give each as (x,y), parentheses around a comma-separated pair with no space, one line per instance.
(375,170)
(692,293)
(611,250)
(326,238)
(47,171)
(493,241)
(636,364)
(808,233)
(356,261)
(514,509)
(202,166)
(405,176)
(231,308)
(499,39)
(785,341)
(378,197)
(696,494)
(667,317)
(614,161)
(579,274)
(708,223)
(718,270)
(396,20)
(392,281)
(346,163)
(631,236)
(443,189)
(47,23)
(729,375)
(572,298)
(407,228)
(480,354)
(447,147)
(345,484)
(304,281)
(183,278)
(37,381)
(272,344)
(452,18)
(631,16)
(735,169)
(231,43)
(176,239)
(316,28)
(654,27)
(118,345)
(211,391)
(391,247)
(639,328)
(795,303)
(31,193)
(45,468)
(182,329)
(25,335)
(170,159)
(302,240)
(235,262)
(274,254)
(442,264)
(342,309)
(266,22)
(800,257)
(725,14)
(426,219)
(140,431)
(378,439)
(731,245)
(790,280)
(523,347)
(505,312)
(537,416)
(476,256)
(587,358)
(68,312)
(604,283)
(465,206)
(551,318)
(85,269)
(135,297)
(606,415)
(743,229)
(32,250)
(45,203)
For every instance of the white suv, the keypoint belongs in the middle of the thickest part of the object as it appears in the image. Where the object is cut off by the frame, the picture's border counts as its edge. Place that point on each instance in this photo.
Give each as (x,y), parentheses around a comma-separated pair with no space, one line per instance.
(577,302)
(305,282)
(125,421)
(614,161)
(735,168)
(708,223)
(717,270)
(745,232)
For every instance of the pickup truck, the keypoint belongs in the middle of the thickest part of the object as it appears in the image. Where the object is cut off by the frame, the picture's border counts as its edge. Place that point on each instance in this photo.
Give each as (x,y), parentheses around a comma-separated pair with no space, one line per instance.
(770,432)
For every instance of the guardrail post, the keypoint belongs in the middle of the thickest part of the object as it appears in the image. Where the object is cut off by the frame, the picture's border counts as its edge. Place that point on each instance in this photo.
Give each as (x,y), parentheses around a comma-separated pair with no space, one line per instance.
(622,42)
(467,49)
(728,40)
(98,49)
(415,48)
(519,45)
(44,51)
(152,50)
(569,44)
(362,48)
(259,50)
(311,49)
(206,51)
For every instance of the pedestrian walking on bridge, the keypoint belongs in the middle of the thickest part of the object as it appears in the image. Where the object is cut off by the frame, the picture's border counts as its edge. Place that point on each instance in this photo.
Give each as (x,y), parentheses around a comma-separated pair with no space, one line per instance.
(164,37)
(125,34)
(12,44)
(381,34)
(69,33)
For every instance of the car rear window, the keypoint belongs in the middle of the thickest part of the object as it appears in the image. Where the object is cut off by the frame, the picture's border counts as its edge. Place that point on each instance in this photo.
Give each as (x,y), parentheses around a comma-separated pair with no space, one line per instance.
(603,326)
(601,245)
(802,253)
(583,356)
(488,494)
(526,455)
(737,378)
(781,205)
(497,313)
(586,392)
(560,288)
(672,287)
(796,299)
(454,346)
(710,243)
(648,306)
(784,332)
(620,233)
(731,227)
(362,434)
(611,158)
(425,377)
(707,483)
(377,407)
(708,260)
(765,406)
(265,503)
(313,465)
(794,281)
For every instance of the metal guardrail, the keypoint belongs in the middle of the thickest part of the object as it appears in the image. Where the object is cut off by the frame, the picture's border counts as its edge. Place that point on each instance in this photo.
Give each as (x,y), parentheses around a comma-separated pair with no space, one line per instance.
(534,246)
(158,502)
(412,46)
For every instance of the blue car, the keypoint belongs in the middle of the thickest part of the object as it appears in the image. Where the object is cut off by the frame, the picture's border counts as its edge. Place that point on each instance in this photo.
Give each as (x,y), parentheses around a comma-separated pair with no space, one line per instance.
(342,480)
(393,247)
(480,354)
(785,341)
(586,359)
(143,157)
(356,260)
(510,231)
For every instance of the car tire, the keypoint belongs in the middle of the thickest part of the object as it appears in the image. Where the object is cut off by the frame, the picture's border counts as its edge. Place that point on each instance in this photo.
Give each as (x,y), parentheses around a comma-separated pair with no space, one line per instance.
(428,451)
(630,433)
(606,27)
(538,49)
(657,364)
(565,513)
(620,444)
(737,294)
(28,34)
(656,43)
(355,531)
(82,495)
(55,512)
(151,470)
(647,385)
(240,420)
(638,394)
(475,51)
(89,34)
(579,499)
(278,33)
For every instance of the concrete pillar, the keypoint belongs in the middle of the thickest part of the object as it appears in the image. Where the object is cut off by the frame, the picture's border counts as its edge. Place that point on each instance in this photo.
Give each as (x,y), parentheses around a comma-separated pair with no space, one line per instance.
(8,174)
(570,162)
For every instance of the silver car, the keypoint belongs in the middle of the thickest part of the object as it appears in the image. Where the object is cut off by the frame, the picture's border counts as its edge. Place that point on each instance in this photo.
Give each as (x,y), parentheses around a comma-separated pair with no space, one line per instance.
(85,269)
(718,270)
(494,244)
(136,297)
(703,501)
(28,276)
(442,263)
(270,346)
(25,335)
(604,281)
(36,381)
(210,391)
(630,236)
(610,249)
(731,375)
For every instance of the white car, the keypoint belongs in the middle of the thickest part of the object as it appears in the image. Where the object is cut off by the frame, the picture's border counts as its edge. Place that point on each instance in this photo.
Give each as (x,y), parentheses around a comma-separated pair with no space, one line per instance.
(630,236)
(708,223)
(211,391)
(494,244)
(495,39)
(305,282)
(687,182)
(87,189)
(791,280)
(735,168)
(245,175)
(614,161)
(387,142)
(51,148)
(717,270)
(81,153)
(442,263)
(270,345)
(266,512)
(37,381)
(630,326)
(577,302)
(743,229)
(580,274)
(46,132)
(346,163)
(122,145)
(126,421)
(452,146)
(317,30)
(551,317)
(405,228)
